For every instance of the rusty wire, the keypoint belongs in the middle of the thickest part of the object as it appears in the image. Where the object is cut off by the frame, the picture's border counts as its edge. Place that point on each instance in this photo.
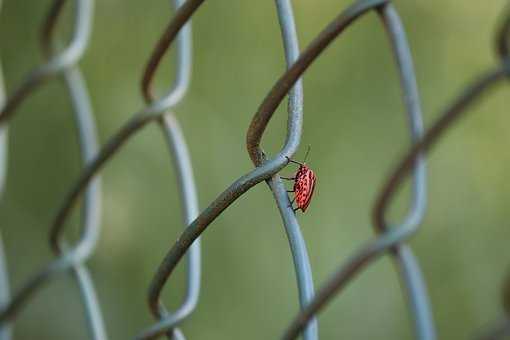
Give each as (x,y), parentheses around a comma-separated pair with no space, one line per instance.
(263,172)
(390,239)
(84,248)
(58,63)
(405,260)
(87,136)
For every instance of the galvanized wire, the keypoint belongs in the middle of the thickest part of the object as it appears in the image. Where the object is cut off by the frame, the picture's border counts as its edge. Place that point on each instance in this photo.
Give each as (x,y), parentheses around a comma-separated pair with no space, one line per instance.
(408,267)
(87,138)
(389,240)
(153,112)
(297,243)
(88,145)
(183,168)
(90,235)
(91,216)
(58,63)
(373,249)
(298,247)
(405,259)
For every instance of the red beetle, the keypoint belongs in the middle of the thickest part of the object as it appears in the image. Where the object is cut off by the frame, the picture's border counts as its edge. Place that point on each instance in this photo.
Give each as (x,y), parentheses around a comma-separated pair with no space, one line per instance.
(304,184)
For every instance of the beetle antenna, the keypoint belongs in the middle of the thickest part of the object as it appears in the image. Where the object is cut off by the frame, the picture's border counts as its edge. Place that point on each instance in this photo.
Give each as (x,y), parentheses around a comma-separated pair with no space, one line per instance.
(307,152)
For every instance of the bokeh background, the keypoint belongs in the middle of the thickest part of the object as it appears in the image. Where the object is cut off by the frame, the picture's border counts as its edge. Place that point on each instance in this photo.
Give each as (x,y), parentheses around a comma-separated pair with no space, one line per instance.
(355,122)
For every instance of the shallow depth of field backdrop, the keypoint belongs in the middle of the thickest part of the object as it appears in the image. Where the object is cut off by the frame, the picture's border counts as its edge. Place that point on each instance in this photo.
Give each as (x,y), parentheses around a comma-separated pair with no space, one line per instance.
(356,125)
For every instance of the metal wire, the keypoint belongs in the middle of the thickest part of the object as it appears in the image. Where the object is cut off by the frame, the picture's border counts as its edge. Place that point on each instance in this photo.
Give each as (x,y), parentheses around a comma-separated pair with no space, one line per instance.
(298,247)
(297,243)
(410,271)
(408,267)
(69,56)
(153,112)
(388,240)
(91,216)
(183,169)
(373,249)
(89,237)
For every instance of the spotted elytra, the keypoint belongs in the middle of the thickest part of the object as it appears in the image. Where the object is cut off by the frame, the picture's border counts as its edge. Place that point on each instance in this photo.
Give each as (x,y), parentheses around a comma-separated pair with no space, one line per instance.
(304,184)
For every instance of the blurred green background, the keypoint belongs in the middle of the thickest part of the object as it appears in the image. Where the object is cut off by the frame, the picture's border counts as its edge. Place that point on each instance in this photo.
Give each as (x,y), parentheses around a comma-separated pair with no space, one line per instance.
(355,122)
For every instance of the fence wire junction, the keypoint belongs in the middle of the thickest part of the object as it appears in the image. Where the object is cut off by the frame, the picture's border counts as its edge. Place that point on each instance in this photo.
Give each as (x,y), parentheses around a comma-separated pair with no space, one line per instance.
(62,61)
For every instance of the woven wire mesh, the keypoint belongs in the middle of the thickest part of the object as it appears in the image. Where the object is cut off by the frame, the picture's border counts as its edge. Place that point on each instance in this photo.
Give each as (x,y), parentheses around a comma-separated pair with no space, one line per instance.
(390,238)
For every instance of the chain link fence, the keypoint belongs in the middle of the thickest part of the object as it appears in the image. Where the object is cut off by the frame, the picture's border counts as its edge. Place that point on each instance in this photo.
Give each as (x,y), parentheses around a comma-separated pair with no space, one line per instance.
(390,237)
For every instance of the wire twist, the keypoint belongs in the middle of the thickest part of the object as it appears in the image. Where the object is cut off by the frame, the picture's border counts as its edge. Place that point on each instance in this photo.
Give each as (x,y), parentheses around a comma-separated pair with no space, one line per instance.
(390,237)
(64,62)
(263,172)
(183,168)
(378,246)
(57,64)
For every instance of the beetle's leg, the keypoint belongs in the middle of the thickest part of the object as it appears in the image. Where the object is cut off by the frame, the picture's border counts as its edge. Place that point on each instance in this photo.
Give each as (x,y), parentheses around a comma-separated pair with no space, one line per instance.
(295,209)
(293,161)
(288,178)
(291,205)
(290,190)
